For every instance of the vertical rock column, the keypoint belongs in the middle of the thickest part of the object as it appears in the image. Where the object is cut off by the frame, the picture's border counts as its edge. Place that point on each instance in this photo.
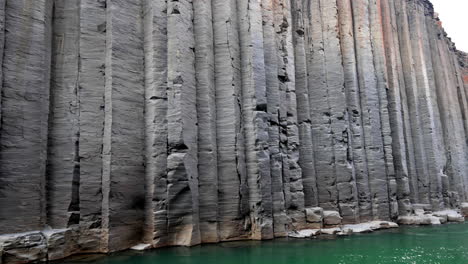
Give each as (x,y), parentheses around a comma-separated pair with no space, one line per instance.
(2,46)
(293,183)
(462,97)
(123,150)
(435,131)
(338,110)
(429,191)
(63,168)
(306,150)
(206,109)
(460,150)
(356,136)
(274,116)
(461,67)
(25,109)
(233,205)
(182,160)
(393,13)
(460,87)
(370,109)
(454,168)
(440,81)
(411,98)
(91,83)
(329,112)
(395,105)
(155,47)
(377,40)
(320,112)
(351,82)
(255,118)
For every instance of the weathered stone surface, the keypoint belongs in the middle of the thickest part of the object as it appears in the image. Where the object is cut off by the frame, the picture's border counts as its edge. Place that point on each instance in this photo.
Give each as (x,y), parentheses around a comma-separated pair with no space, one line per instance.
(92,240)
(25,112)
(314,215)
(91,84)
(61,243)
(233,208)
(172,123)
(451,215)
(24,248)
(435,218)
(419,220)
(206,114)
(123,178)
(63,160)
(464,209)
(331,218)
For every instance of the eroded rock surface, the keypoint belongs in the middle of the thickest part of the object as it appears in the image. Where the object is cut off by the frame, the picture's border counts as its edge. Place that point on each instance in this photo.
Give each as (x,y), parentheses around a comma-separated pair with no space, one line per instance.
(151,123)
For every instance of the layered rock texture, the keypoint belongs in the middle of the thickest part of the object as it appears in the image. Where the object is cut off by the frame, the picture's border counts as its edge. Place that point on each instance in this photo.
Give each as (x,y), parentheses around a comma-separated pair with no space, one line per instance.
(180,122)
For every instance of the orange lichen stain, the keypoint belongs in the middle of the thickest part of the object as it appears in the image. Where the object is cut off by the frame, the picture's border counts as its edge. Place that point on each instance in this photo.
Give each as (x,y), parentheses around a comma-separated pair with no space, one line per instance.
(465,79)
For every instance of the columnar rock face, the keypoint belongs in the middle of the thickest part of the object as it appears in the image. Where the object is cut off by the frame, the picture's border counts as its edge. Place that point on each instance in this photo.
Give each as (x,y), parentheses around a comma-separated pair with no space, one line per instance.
(180,122)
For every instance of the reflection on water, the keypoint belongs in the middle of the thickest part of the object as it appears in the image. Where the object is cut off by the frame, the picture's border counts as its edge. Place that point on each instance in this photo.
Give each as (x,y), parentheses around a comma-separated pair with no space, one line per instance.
(446,244)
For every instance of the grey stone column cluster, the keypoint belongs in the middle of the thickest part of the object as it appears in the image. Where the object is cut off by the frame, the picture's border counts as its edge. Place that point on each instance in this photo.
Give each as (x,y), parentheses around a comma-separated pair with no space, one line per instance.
(180,122)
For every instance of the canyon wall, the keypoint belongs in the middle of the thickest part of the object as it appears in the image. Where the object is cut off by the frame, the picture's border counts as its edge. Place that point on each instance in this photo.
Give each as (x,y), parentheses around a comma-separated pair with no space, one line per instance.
(180,122)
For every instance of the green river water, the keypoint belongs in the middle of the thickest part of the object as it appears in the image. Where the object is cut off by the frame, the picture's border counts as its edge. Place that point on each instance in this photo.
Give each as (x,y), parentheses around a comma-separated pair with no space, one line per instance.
(447,244)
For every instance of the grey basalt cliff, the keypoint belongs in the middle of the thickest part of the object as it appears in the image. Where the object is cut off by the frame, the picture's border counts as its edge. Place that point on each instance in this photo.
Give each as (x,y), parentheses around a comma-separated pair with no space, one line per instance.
(180,122)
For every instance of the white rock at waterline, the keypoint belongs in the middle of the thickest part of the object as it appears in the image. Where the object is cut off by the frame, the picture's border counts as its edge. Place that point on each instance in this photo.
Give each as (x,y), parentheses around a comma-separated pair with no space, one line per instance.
(304,233)
(141,247)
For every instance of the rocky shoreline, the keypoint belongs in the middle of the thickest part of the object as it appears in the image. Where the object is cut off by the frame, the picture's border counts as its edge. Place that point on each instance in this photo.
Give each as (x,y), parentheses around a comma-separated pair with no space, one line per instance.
(51,244)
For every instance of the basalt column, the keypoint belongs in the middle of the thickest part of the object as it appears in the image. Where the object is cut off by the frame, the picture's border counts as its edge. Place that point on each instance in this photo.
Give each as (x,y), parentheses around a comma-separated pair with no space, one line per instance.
(25,90)
(92,67)
(123,176)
